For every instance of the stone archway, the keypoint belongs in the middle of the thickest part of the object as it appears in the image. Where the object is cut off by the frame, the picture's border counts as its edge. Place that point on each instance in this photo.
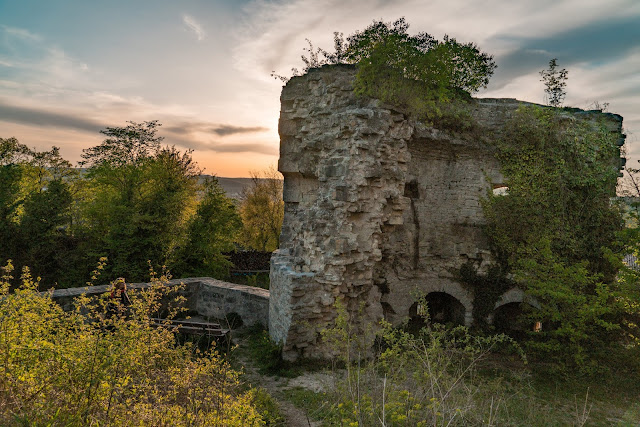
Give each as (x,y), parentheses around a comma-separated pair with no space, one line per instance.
(507,314)
(441,307)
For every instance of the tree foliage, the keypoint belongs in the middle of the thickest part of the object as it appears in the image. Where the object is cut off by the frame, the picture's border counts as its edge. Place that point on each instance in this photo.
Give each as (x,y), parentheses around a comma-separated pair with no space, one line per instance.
(445,65)
(138,201)
(428,78)
(35,201)
(555,82)
(557,233)
(262,211)
(142,195)
(210,232)
(125,145)
(84,367)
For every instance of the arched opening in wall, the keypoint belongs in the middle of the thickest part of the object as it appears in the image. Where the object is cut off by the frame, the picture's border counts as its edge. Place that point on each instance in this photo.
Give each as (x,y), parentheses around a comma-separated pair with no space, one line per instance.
(509,319)
(441,307)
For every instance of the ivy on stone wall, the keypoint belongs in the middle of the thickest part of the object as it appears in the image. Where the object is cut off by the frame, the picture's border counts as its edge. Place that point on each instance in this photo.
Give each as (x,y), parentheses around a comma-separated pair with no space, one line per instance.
(556,231)
(486,289)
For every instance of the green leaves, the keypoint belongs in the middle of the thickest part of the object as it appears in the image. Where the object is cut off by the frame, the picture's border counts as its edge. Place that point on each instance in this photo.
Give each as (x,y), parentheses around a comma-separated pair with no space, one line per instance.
(85,368)
(555,81)
(125,145)
(556,231)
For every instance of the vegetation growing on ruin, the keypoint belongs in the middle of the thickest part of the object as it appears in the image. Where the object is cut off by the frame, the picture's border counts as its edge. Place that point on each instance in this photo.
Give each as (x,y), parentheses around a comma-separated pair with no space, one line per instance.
(429,79)
(558,235)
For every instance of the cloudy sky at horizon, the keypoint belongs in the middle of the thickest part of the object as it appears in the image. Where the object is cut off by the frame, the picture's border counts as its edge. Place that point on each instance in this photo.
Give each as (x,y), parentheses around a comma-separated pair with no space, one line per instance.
(69,68)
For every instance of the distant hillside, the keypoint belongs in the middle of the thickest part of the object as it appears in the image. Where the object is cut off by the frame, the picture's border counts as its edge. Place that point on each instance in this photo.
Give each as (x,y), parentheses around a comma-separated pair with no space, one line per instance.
(232,186)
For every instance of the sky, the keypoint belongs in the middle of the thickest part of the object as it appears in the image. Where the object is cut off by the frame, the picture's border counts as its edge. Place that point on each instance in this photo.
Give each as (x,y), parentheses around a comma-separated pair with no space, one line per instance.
(69,68)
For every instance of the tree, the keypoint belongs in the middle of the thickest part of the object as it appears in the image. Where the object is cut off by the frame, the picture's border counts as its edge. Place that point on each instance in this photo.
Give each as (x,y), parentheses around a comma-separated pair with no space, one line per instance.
(125,145)
(142,196)
(211,231)
(429,79)
(555,81)
(35,199)
(262,212)
(558,236)
(13,157)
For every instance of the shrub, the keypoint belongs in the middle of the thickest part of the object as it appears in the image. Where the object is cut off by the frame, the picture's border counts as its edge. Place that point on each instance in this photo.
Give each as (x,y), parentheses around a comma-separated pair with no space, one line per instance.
(89,367)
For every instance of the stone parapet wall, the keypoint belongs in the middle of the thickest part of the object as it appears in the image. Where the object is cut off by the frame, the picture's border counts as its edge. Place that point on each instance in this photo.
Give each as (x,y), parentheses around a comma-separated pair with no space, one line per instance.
(208,297)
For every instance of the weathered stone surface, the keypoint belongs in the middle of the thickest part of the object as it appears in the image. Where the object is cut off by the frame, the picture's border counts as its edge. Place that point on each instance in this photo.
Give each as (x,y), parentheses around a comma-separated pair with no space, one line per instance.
(378,208)
(208,297)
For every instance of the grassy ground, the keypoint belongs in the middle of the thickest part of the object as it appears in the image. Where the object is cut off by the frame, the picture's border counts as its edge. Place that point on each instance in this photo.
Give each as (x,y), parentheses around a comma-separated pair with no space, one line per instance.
(522,394)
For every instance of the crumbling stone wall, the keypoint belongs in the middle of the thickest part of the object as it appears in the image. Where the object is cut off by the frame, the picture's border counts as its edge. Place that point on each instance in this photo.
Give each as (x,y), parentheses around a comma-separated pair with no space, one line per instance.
(379,209)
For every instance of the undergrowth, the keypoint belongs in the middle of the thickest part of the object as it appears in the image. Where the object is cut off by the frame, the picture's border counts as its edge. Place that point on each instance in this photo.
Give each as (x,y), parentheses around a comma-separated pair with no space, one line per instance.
(100,365)
(448,376)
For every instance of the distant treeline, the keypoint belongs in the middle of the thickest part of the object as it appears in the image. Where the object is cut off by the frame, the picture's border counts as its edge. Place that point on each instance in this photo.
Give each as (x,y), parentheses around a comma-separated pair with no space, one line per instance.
(134,201)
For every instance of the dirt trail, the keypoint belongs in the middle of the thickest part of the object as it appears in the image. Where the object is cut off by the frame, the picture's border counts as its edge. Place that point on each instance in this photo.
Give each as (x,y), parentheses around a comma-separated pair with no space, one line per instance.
(294,416)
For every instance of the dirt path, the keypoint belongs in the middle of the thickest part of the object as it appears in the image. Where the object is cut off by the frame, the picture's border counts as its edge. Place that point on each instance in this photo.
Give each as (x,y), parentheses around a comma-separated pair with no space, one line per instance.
(294,416)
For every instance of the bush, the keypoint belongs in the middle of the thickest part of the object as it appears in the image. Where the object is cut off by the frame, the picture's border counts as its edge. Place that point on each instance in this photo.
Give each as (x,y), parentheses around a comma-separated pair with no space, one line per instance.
(438,376)
(95,366)
(423,379)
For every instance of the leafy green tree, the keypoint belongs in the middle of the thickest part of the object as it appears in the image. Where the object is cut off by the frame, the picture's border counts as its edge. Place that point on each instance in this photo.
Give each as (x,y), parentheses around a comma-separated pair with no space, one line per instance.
(428,78)
(142,196)
(34,208)
(211,231)
(558,234)
(555,82)
(387,48)
(13,156)
(445,64)
(262,212)
(46,244)
(126,145)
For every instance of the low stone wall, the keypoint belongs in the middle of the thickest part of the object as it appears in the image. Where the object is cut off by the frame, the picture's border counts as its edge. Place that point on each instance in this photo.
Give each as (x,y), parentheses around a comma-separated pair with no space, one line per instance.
(208,297)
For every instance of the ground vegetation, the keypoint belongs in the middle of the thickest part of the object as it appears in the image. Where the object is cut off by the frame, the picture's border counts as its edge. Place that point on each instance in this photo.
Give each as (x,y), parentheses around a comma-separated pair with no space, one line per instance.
(105,365)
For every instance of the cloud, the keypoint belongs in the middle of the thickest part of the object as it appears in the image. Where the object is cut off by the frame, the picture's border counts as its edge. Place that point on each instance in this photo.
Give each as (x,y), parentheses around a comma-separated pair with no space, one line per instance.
(239,147)
(20,33)
(224,130)
(29,60)
(185,134)
(40,117)
(595,43)
(194,26)
(186,128)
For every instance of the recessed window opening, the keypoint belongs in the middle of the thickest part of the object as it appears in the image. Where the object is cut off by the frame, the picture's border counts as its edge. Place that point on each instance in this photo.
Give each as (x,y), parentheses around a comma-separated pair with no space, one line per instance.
(500,190)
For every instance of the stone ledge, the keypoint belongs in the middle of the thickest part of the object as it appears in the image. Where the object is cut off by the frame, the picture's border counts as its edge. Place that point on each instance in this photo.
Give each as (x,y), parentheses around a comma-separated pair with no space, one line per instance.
(208,297)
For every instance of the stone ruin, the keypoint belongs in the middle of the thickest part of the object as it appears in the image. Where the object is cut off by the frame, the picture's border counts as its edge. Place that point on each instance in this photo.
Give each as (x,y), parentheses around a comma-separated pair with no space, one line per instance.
(379,210)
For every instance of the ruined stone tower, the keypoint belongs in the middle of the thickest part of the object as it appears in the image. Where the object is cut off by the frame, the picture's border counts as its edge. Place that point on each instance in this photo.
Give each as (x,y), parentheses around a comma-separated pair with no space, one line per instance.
(379,209)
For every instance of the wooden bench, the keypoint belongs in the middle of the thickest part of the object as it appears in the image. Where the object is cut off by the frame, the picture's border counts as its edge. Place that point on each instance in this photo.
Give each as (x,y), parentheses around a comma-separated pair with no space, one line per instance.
(207,329)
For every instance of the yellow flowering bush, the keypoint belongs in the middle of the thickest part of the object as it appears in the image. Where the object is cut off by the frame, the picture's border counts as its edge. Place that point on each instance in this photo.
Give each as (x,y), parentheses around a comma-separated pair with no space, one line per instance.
(92,366)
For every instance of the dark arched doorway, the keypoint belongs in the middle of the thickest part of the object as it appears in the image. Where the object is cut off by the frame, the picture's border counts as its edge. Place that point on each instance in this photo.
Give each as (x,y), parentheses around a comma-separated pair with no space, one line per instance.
(509,319)
(442,308)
